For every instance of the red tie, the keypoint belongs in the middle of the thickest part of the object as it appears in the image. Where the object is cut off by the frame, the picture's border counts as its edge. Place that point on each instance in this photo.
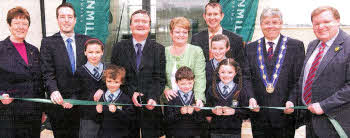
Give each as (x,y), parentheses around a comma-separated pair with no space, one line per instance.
(270,51)
(311,75)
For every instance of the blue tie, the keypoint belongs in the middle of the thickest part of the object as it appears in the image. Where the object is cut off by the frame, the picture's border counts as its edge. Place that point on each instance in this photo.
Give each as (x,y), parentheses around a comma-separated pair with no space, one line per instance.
(186,98)
(225,92)
(138,55)
(110,97)
(71,54)
(96,74)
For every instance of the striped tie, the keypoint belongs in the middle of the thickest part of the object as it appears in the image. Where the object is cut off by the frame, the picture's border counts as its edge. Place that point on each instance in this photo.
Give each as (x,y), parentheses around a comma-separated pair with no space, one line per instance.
(96,74)
(311,75)
(110,97)
(270,51)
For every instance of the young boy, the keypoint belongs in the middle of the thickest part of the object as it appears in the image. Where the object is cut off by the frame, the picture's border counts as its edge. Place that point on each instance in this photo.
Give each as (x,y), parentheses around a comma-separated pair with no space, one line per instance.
(116,119)
(183,121)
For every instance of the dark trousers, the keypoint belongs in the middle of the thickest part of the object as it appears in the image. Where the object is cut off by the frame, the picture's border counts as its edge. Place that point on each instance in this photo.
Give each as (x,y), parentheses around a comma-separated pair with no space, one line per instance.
(265,130)
(88,129)
(182,136)
(225,135)
(148,123)
(65,122)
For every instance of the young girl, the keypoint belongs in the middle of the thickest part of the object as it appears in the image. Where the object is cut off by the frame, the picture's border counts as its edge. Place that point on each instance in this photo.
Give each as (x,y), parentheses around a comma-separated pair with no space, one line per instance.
(223,94)
(89,76)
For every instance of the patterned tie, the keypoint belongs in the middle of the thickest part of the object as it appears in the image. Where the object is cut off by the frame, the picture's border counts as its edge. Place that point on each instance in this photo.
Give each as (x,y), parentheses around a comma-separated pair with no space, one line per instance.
(96,74)
(71,54)
(225,92)
(138,55)
(110,97)
(270,51)
(186,98)
(312,72)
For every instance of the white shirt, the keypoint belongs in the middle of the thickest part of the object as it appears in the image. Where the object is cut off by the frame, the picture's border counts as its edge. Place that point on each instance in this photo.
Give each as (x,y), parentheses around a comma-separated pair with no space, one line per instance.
(73,45)
(275,42)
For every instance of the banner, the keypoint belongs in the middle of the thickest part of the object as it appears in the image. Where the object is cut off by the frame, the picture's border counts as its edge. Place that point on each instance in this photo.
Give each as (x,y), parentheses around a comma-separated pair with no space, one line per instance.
(92,17)
(240,17)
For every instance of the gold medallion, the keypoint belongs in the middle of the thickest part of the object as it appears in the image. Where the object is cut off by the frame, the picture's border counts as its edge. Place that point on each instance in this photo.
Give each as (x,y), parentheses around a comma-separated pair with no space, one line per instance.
(269,88)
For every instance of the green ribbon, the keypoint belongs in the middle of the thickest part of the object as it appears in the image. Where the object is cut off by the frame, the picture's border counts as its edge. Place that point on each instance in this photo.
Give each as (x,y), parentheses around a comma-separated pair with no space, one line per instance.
(335,124)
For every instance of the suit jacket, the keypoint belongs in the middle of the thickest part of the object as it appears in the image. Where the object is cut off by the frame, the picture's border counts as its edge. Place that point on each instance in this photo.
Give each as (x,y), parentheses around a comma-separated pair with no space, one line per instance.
(56,68)
(150,79)
(331,86)
(288,77)
(236,44)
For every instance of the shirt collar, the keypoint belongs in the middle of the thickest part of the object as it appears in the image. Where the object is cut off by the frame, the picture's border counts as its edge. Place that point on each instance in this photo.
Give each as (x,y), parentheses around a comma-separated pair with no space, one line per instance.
(189,95)
(331,41)
(115,94)
(91,67)
(216,63)
(135,42)
(275,41)
(218,32)
(230,85)
(66,37)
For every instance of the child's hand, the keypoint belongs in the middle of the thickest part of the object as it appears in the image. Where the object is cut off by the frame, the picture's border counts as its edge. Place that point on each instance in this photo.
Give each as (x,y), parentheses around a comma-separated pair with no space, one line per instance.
(199,103)
(67,105)
(99,108)
(150,104)
(228,111)
(183,110)
(208,118)
(217,110)
(190,109)
(112,108)
(7,99)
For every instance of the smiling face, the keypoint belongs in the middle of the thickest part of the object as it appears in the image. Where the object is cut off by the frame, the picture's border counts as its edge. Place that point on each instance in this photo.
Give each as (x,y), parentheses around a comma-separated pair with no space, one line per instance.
(325,26)
(66,20)
(185,85)
(219,49)
(271,27)
(179,35)
(213,17)
(19,29)
(113,84)
(93,53)
(227,73)
(140,25)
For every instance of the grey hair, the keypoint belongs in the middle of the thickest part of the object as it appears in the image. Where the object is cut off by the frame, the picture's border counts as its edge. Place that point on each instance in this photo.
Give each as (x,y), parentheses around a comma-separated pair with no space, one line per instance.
(269,12)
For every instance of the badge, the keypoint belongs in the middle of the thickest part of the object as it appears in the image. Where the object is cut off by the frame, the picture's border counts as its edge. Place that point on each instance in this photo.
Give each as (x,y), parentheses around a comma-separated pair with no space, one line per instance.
(234,103)
(270,88)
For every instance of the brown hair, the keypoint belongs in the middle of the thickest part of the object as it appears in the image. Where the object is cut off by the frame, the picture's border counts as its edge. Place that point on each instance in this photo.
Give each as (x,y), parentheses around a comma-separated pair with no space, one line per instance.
(237,79)
(141,12)
(179,22)
(184,73)
(213,5)
(93,41)
(66,4)
(113,72)
(321,9)
(219,37)
(17,12)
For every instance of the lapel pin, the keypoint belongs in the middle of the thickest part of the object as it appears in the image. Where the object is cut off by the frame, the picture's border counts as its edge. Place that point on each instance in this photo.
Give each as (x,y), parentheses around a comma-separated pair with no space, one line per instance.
(336,49)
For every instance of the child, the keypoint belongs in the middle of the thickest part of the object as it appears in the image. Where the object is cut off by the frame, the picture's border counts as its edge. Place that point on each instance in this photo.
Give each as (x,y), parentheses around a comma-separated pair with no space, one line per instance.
(223,94)
(183,121)
(89,76)
(116,119)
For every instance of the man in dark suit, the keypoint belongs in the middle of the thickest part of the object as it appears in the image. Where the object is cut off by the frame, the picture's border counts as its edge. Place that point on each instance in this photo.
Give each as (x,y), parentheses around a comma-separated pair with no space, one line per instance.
(275,63)
(60,55)
(213,15)
(324,85)
(144,61)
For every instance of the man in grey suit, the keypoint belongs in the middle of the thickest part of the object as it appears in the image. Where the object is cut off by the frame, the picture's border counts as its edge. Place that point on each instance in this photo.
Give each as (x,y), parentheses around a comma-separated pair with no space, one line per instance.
(325,80)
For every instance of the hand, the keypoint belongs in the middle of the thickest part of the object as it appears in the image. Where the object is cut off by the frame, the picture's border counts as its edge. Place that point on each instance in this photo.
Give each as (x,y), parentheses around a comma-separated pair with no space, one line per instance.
(183,110)
(228,111)
(289,110)
(190,109)
(199,104)
(112,108)
(217,110)
(99,108)
(98,94)
(134,98)
(7,99)
(56,97)
(315,108)
(67,105)
(254,105)
(150,104)
(169,94)
(209,118)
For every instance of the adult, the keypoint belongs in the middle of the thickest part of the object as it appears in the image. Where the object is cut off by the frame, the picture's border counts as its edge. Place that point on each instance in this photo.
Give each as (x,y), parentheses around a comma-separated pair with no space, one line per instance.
(213,15)
(144,61)
(275,63)
(60,55)
(179,54)
(324,85)
(20,78)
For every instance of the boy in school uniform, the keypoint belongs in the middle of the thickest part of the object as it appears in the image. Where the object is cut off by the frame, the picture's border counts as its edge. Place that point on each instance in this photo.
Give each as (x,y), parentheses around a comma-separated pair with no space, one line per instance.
(116,119)
(185,121)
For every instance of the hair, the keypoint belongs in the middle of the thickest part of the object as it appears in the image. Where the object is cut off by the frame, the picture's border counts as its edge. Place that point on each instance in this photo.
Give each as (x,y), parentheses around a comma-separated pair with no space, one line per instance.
(17,12)
(179,22)
(184,73)
(270,12)
(113,72)
(141,12)
(321,9)
(93,41)
(213,5)
(237,79)
(66,4)
(219,37)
